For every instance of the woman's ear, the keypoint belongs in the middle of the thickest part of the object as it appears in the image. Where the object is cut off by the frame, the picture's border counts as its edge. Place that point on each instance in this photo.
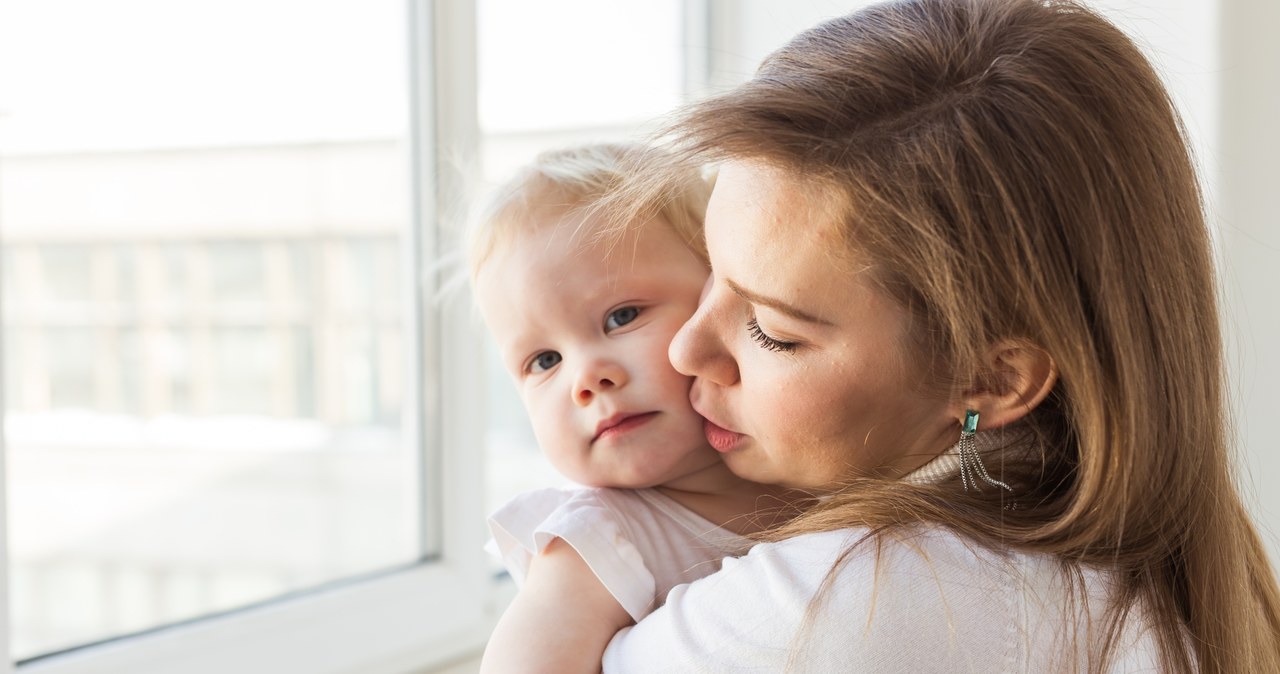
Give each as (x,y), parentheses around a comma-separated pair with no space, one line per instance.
(1015,377)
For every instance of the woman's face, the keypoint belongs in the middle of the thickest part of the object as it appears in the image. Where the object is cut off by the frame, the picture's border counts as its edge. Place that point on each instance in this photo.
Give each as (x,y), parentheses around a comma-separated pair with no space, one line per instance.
(804,369)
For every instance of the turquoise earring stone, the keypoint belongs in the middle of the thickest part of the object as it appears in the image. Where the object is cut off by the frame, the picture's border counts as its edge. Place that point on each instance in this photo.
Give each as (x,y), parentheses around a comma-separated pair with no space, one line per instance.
(971,421)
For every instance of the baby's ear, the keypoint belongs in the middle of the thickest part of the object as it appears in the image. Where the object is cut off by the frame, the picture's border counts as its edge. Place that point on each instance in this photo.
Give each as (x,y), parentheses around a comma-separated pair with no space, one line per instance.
(1013,379)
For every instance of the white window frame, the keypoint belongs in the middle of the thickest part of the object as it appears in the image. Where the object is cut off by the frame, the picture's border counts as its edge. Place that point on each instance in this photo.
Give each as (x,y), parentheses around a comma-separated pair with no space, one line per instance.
(403,620)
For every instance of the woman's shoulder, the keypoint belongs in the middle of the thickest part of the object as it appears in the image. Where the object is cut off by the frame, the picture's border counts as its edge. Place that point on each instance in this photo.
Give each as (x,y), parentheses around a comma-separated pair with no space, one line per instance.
(858,572)
(900,572)
(898,589)
(903,550)
(918,599)
(844,600)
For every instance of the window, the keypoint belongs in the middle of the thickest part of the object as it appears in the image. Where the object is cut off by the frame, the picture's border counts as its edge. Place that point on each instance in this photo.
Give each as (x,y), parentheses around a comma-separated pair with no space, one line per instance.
(223,399)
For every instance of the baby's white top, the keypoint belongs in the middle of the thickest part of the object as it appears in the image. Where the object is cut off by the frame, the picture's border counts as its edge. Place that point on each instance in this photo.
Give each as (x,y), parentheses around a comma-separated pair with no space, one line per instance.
(638,542)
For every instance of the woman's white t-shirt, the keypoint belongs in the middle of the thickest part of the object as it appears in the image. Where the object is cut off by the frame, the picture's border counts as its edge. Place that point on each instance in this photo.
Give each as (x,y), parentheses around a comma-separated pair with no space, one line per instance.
(922,600)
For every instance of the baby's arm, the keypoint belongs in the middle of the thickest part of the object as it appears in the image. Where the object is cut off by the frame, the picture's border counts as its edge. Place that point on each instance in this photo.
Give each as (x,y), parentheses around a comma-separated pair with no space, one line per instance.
(560,621)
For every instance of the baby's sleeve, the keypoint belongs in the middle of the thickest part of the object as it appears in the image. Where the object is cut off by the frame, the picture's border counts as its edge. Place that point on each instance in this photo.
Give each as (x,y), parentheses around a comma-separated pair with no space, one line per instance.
(526,525)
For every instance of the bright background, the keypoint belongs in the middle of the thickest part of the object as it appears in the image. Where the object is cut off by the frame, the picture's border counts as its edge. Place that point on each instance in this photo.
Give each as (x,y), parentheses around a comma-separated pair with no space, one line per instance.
(219,357)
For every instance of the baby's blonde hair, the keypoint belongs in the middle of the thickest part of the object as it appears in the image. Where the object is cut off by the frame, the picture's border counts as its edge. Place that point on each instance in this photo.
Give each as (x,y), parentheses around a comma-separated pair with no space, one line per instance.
(579,184)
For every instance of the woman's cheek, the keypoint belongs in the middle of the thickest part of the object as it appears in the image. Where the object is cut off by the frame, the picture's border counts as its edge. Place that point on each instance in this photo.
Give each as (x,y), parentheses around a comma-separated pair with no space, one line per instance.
(779,398)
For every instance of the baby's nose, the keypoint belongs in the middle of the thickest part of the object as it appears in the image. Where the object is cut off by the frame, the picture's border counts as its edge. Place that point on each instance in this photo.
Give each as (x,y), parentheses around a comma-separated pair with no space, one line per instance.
(597,377)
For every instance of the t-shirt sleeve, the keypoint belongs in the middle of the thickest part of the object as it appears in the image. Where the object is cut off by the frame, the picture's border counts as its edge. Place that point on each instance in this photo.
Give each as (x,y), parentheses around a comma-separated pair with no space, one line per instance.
(525,525)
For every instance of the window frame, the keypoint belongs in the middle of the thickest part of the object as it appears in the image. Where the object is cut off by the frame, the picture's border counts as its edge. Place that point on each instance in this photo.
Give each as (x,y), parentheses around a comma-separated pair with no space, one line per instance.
(432,611)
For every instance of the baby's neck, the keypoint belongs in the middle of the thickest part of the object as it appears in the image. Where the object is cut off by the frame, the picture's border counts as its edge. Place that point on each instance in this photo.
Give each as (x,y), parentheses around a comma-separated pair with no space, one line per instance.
(735,504)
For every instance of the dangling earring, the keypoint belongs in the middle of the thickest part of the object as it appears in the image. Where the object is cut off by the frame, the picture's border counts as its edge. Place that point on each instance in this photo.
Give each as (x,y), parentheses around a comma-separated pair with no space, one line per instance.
(971,467)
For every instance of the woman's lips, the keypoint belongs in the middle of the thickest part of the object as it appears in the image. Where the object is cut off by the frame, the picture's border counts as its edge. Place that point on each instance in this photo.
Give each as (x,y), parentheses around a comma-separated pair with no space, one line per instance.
(720,439)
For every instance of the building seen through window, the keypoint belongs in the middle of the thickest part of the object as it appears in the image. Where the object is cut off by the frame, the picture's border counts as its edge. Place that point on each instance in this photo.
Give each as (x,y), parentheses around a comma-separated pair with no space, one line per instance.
(207,368)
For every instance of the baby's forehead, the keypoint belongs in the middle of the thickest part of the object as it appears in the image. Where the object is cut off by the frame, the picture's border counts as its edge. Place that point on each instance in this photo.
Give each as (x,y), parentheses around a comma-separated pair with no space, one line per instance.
(566,263)
(567,234)
(554,242)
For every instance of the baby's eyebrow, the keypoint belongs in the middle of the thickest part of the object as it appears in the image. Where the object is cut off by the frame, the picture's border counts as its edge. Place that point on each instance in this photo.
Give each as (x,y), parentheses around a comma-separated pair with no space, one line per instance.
(777,305)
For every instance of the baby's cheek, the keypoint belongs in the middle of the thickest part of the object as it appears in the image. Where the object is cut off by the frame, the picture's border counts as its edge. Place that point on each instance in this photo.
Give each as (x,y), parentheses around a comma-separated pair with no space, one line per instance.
(548,429)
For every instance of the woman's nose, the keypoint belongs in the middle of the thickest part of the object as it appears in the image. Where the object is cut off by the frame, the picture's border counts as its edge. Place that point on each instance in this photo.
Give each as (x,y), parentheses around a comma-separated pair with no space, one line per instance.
(598,376)
(698,349)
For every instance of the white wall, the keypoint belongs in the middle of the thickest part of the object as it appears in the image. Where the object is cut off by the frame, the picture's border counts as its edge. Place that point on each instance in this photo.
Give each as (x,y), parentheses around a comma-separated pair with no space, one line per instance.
(743,32)
(1248,182)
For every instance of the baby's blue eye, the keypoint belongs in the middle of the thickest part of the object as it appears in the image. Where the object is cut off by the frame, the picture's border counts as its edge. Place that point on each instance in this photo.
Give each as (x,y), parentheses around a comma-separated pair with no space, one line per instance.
(620,317)
(544,361)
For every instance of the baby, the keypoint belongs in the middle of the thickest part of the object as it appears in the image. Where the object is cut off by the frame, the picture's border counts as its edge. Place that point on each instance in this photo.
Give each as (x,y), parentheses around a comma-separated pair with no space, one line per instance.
(583,316)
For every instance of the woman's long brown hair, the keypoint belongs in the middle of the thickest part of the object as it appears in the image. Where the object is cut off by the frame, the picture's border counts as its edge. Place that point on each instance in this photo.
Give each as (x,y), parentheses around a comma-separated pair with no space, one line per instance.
(1014,169)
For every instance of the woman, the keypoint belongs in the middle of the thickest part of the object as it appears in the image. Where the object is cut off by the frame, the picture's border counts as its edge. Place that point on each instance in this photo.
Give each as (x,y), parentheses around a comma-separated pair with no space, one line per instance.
(940,214)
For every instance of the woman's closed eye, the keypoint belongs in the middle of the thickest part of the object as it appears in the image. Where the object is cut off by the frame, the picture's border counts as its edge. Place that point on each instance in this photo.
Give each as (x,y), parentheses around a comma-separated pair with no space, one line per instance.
(620,317)
(544,361)
(767,342)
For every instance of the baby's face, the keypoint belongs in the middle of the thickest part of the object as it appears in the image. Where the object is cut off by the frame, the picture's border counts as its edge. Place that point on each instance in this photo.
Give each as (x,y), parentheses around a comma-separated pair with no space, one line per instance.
(584,330)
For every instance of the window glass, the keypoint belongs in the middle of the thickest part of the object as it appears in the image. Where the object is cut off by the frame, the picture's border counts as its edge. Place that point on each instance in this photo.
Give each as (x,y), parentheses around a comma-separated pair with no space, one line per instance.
(67,272)
(205,364)
(237,272)
(171,280)
(72,381)
(586,64)
(9,281)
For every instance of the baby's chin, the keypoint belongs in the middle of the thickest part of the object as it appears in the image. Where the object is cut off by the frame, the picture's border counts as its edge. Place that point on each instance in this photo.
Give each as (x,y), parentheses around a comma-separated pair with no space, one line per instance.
(695,457)
(606,479)
(648,480)
(614,482)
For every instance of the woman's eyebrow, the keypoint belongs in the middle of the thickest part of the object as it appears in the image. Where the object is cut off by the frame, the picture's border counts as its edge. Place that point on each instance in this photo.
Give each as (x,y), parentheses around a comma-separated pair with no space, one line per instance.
(776,305)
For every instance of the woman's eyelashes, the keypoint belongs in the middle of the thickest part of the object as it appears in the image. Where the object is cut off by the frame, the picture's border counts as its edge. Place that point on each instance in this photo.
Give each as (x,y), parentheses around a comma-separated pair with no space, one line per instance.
(767,342)
(544,361)
(620,317)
